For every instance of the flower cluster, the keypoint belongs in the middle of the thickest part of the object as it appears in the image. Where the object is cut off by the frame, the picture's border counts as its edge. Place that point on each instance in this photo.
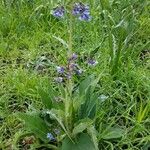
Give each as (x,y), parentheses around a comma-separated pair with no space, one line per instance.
(53,137)
(72,68)
(79,9)
(59,12)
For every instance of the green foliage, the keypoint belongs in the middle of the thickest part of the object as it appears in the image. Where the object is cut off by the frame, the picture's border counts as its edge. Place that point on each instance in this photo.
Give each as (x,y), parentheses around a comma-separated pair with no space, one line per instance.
(89,98)
(83,141)
(84,124)
(36,125)
(47,96)
(33,42)
(113,133)
(64,117)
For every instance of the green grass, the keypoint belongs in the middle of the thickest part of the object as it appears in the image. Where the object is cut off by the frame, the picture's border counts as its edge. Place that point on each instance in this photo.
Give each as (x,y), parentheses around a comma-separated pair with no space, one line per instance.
(27,31)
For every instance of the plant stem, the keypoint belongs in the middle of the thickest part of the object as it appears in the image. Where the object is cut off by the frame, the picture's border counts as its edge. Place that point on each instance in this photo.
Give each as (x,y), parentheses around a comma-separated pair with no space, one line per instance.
(69,101)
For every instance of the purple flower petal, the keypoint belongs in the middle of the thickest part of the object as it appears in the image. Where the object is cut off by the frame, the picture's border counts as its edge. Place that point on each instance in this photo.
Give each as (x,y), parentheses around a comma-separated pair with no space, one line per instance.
(73,57)
(78,9)
(50,137)
(59,12)
(79,72)
(85,17)
(72,66)
(92,62)
(60,69)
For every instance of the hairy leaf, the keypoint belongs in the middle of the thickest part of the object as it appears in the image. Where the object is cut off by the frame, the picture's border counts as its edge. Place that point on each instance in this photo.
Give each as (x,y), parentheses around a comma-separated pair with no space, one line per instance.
(35,124)
(83,142)
(113,133)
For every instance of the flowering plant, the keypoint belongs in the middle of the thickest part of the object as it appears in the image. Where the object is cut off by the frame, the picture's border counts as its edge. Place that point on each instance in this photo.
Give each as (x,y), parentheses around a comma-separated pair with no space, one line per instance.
(67,119)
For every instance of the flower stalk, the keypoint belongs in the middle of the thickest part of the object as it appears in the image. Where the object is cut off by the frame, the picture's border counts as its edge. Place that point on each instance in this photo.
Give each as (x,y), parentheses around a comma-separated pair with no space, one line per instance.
(69,100)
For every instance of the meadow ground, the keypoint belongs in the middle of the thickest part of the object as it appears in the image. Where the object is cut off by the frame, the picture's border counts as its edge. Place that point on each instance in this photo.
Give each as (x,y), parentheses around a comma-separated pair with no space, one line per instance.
(33,42)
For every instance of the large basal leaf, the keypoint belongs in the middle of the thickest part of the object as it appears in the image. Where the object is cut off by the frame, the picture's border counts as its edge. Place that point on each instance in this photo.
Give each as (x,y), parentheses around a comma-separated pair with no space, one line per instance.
(47,96)
(113,133)
(84,124)
(85,84)
(88,108)
(35,124)
(93,134)
(58,115)
(88,98)
(83,142)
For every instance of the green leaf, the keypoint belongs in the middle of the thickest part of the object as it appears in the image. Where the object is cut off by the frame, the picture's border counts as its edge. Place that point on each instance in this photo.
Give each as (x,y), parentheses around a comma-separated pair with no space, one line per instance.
(46,99)
(35,124)
(58,115)
(146,147)
(113,133)
(82,126)
(83,142)
(47,96)
(93,133)
(88,108)
(87,97)
(85,84)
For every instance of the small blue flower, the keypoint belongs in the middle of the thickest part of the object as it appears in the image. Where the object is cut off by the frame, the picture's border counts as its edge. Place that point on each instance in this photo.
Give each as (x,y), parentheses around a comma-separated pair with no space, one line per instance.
(72,66)
(92,62)
(78,9)
(74,56)
(83,11)
(79,72)
(50,137)
(60,69)
(59,12)
(86,10)
(85,17)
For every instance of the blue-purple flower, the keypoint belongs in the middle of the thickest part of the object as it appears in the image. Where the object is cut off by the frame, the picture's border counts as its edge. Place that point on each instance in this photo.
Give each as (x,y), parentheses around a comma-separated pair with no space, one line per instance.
(79,71)
(82,10)
(50,137)
(72,66)
(60,70)
(85,17)
(92,62)
(74,56)
(78,9)
(59,12)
